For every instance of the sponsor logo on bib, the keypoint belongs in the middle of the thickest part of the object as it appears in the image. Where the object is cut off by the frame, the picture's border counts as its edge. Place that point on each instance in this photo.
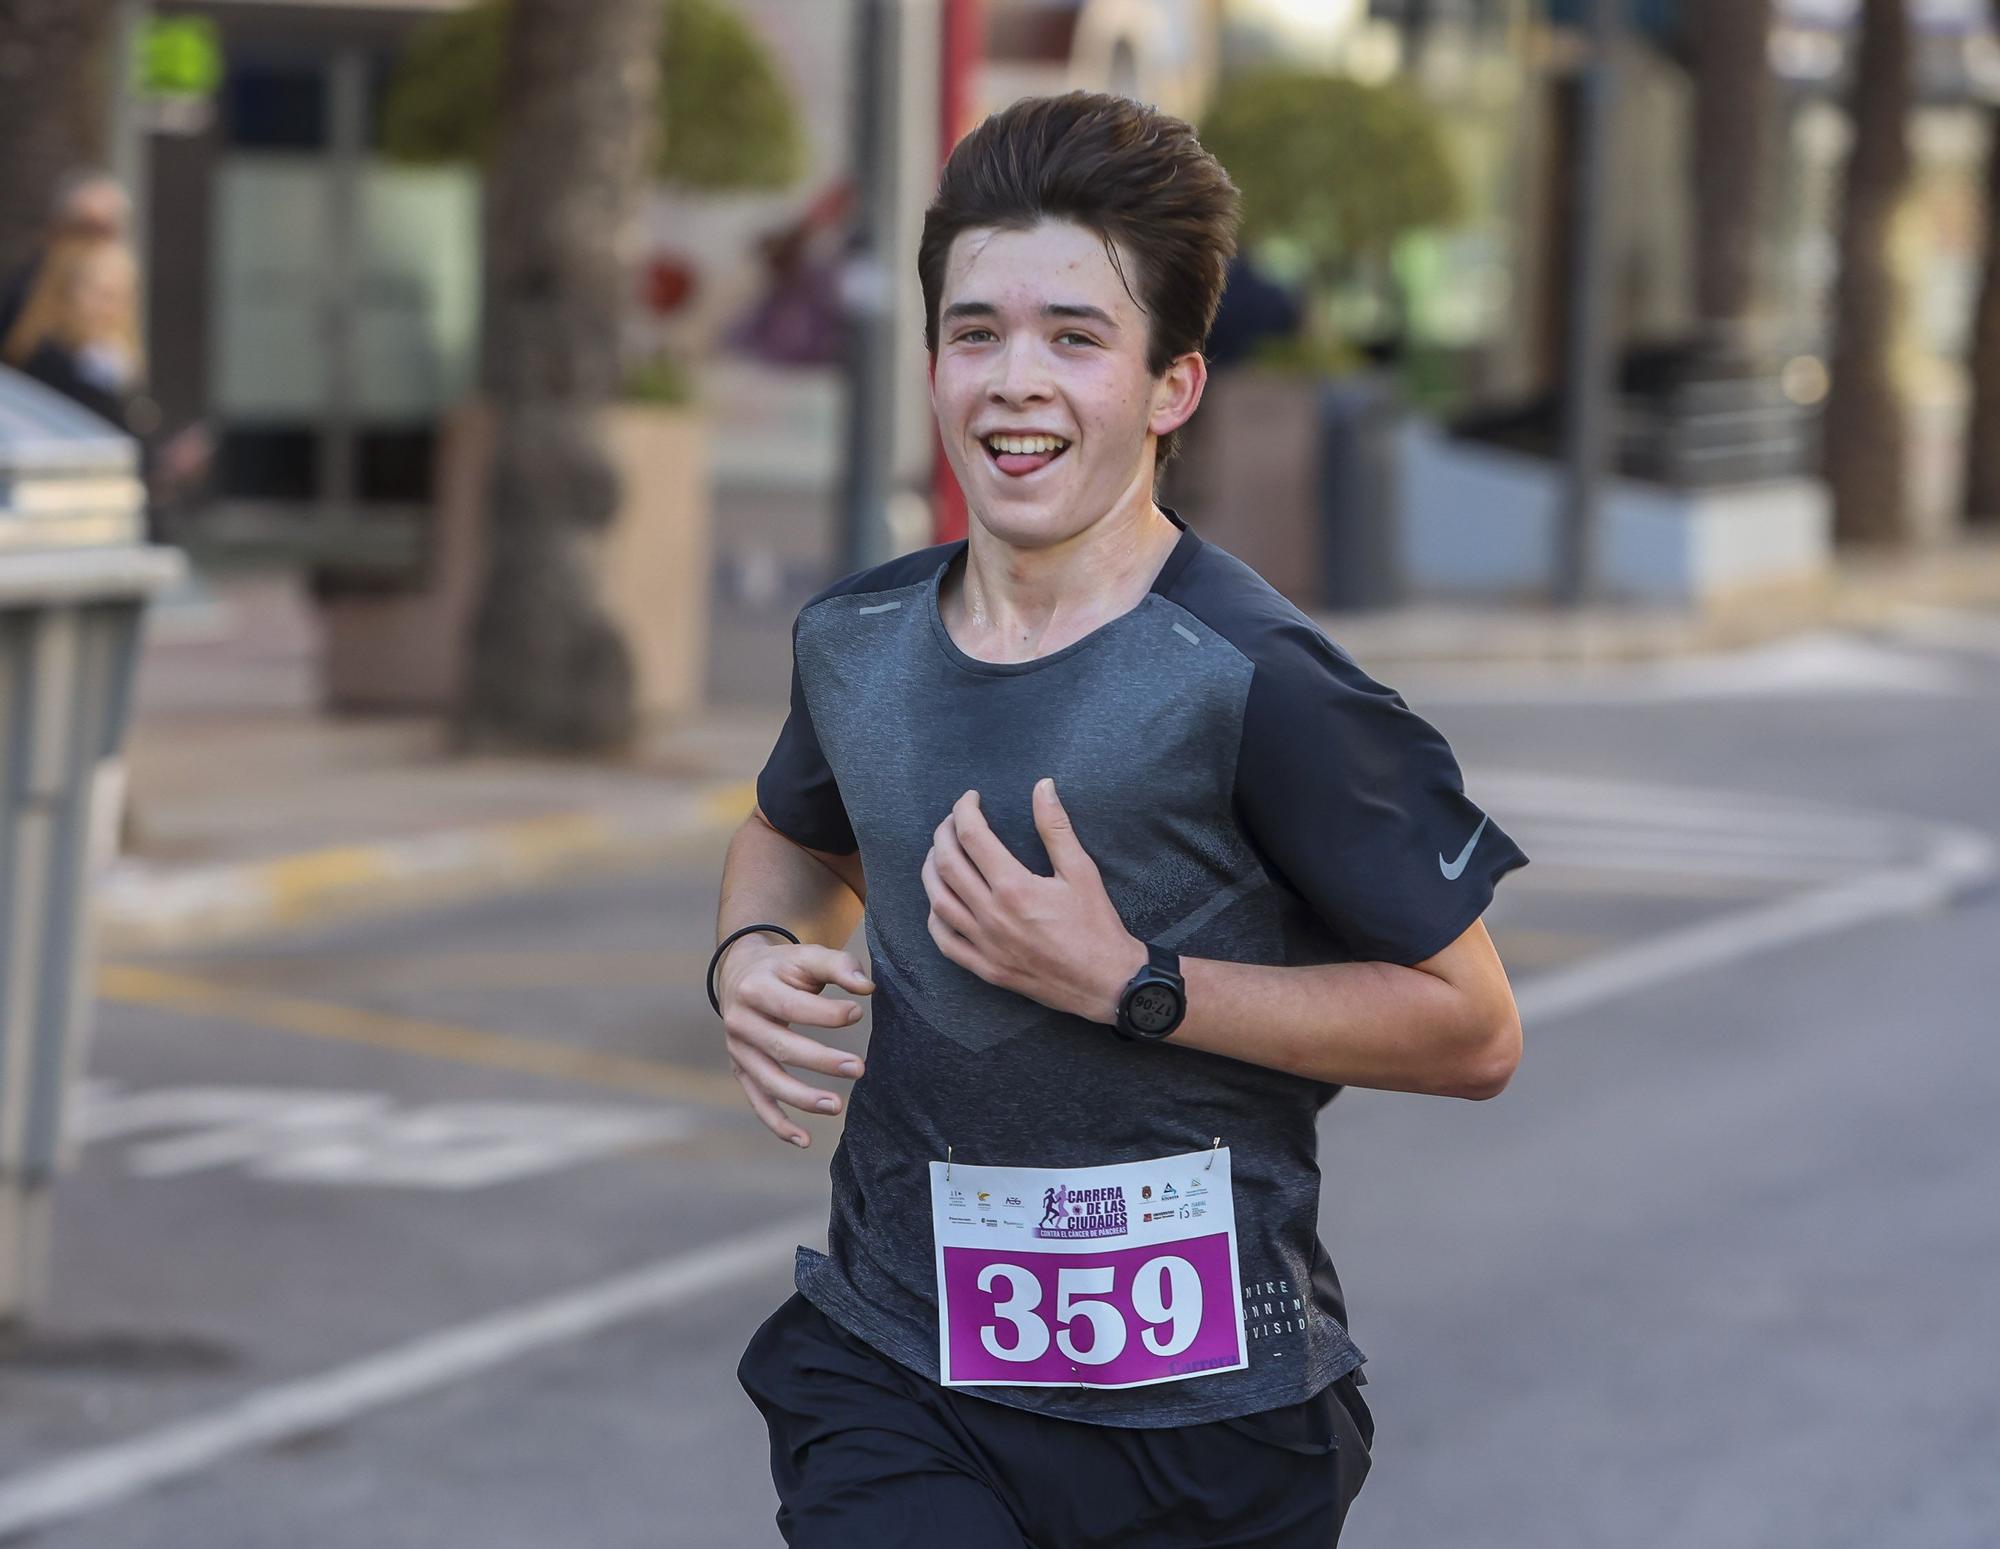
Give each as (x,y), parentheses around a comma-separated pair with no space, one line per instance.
(1068,1212)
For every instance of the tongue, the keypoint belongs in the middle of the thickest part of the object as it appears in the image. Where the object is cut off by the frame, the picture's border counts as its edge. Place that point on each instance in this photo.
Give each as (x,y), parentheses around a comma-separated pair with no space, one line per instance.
(1023,462)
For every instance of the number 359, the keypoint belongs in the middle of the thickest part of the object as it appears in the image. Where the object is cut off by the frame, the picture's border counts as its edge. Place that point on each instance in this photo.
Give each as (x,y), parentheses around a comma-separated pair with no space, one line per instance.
(1166,1292)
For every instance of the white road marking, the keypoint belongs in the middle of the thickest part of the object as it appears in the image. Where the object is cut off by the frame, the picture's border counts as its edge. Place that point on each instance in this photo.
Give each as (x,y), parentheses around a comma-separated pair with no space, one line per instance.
(1632,860)
(1832,866)
(316,1136)
(1643,832)
(1833,844)
(1958,862)
(1677,805)
(89,1481)
(1945,864)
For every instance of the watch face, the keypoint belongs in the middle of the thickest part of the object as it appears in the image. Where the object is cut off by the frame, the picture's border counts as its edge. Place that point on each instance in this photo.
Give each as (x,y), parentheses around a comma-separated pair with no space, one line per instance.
(1153,1008)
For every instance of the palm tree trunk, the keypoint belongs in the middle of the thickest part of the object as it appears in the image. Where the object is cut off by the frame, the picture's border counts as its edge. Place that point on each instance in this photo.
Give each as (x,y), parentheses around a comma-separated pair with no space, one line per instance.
(1864,452)
(549,669)
(1734,88)
(54,55)
(1982,426)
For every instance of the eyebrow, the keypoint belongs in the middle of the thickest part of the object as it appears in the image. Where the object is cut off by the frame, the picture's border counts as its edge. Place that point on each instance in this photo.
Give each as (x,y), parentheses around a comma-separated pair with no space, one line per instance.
(964,309)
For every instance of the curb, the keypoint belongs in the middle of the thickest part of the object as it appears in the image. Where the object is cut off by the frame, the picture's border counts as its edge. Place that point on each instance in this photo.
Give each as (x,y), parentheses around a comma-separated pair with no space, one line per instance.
(139,909)
(1861,593)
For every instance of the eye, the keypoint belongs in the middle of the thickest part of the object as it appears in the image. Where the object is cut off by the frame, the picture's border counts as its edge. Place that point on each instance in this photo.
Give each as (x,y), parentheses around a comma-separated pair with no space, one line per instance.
(967,335)
(1073,334)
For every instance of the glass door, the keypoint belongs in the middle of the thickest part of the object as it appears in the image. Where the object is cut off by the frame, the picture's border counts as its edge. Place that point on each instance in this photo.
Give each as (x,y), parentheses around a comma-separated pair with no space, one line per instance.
(343,320)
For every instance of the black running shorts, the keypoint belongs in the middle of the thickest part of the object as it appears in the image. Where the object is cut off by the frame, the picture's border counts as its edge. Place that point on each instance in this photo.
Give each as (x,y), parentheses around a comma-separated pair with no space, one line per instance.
(867,1454)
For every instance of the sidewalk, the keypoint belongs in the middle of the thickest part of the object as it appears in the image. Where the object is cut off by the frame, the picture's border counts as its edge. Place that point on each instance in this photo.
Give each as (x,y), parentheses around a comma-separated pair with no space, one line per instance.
(249,810)
(1867,591)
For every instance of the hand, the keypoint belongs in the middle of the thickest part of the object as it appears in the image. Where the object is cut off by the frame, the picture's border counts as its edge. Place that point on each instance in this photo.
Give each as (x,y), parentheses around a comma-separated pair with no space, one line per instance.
(186,455)
(1057,940)
(765,986)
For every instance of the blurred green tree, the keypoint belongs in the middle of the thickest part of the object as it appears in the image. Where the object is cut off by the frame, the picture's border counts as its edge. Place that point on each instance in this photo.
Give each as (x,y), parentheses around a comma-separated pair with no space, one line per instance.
(1864,456)
(1333,172)
(548,668)
(726,116)
(571,107)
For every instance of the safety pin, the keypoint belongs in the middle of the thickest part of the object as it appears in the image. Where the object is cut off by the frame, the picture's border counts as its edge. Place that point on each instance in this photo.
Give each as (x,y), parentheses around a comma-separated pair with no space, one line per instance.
(1211,1154)
(947,1164)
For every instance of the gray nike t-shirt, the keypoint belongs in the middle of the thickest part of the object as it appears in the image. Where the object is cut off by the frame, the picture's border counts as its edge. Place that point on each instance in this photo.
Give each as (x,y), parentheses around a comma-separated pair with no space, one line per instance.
(1248,794)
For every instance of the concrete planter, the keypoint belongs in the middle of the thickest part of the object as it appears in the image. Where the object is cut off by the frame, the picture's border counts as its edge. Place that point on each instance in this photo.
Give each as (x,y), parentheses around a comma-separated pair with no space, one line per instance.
(659,560)
(406,650)
(1482,521)
(1295,476)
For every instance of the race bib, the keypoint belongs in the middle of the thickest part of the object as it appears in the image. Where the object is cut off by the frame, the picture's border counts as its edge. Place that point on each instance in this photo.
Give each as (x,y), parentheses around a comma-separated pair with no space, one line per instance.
(1087,1277)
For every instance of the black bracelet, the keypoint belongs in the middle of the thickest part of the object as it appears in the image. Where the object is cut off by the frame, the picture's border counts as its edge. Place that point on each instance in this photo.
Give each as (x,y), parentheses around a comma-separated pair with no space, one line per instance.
(723,946)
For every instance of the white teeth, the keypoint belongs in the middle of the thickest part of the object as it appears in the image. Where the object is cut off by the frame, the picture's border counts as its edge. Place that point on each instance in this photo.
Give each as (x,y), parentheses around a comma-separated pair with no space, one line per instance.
(1025,444)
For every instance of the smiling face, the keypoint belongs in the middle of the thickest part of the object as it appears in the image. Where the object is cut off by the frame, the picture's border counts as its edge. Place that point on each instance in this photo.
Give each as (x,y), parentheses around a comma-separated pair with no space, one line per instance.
(1038,338)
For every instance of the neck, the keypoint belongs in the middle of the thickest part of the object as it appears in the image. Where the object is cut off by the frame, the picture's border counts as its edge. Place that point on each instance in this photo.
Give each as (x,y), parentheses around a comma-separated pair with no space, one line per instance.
(1019,603)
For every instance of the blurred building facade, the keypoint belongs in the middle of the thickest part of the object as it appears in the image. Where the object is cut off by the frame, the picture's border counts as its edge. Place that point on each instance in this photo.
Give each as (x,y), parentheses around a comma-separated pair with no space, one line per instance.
(319,305)
(1489,296)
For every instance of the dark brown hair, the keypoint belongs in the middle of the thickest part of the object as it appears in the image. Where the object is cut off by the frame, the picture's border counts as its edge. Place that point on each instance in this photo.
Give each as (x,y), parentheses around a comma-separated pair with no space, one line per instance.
(1136,176)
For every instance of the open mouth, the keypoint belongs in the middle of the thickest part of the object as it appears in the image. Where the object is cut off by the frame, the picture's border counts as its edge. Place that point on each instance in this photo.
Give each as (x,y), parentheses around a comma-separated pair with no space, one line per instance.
(1018,456)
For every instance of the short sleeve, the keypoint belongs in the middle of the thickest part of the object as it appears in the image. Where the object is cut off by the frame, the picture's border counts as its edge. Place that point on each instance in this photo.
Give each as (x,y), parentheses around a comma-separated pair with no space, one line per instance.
(1358,803)
(796,789)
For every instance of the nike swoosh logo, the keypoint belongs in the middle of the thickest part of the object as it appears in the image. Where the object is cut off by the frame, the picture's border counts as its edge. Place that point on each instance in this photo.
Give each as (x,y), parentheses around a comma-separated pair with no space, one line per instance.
(1453,870)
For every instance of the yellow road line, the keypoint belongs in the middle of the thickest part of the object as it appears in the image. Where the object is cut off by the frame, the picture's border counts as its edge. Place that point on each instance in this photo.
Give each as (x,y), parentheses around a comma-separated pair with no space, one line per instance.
(416,1036)
(654,966)
(299,882)
(300,887)
(540,841)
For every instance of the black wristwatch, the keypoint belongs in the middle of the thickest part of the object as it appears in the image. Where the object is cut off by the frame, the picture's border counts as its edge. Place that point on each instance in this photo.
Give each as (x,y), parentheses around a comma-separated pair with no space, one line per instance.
(1153,1003)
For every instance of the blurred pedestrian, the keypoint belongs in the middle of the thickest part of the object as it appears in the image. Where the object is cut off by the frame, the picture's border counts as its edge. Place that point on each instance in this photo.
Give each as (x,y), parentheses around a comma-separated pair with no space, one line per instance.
(88,206)
(77,331)
(799,318)
(1254,307)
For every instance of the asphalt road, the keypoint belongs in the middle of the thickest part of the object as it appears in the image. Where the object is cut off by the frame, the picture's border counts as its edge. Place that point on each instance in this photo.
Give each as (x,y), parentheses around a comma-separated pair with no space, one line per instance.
(449,1230)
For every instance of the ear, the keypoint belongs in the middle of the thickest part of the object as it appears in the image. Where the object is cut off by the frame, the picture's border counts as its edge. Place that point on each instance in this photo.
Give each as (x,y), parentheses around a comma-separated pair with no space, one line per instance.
(1177,393)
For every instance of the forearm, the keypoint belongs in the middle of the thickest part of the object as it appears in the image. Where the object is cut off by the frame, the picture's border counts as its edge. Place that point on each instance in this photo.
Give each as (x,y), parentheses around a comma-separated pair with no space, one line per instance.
(1353,1024)
(1447,1025)
(767,878)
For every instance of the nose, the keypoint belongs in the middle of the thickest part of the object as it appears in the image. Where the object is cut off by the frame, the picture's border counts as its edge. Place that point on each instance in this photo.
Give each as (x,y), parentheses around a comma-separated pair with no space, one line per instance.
(1021,376)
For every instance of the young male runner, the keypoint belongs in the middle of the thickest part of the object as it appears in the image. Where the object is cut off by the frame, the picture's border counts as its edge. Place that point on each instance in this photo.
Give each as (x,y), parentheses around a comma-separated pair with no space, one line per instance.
(1254,879)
